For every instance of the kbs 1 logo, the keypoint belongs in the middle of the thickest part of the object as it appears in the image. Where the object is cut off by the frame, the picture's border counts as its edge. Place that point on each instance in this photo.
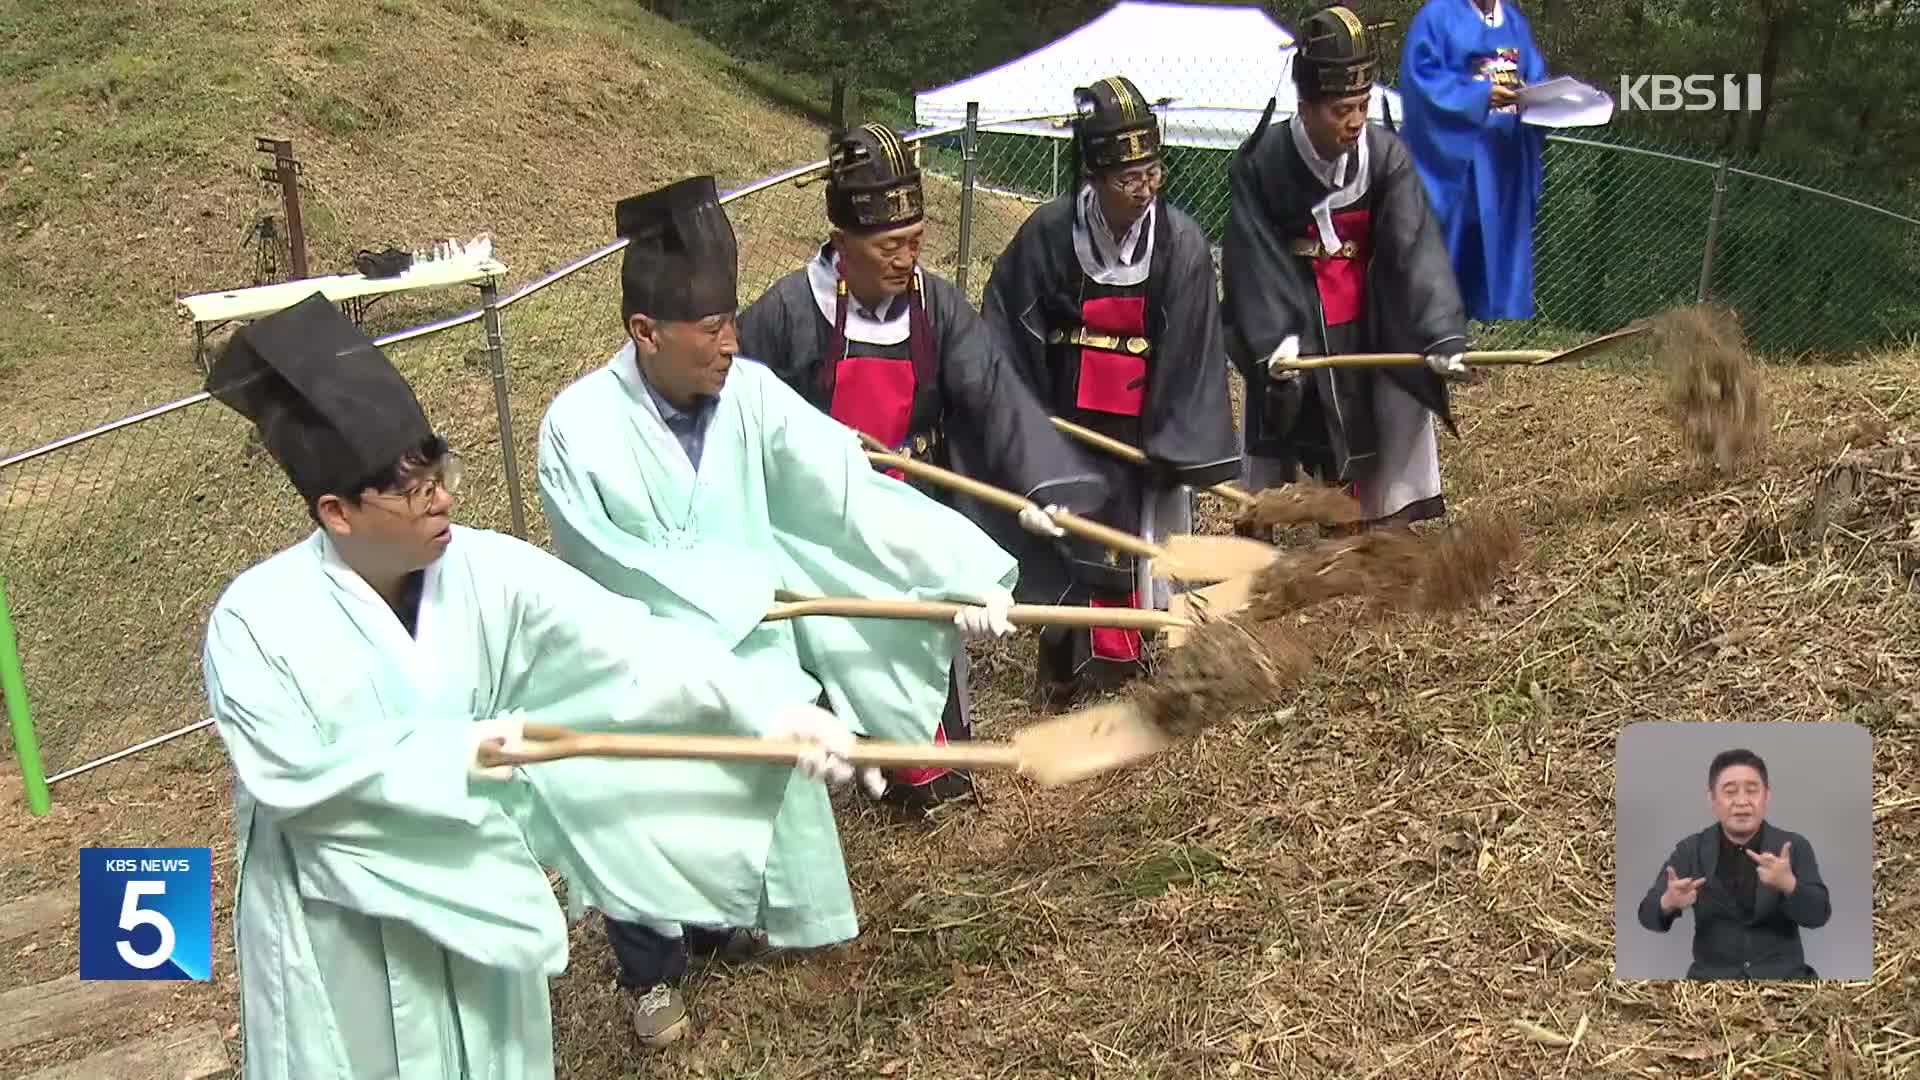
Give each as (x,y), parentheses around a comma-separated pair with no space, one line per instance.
(146,913)
(1691,93)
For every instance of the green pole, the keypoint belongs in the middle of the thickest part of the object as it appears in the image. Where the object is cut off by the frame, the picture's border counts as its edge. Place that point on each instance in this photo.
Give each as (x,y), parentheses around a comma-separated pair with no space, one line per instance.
(13,686)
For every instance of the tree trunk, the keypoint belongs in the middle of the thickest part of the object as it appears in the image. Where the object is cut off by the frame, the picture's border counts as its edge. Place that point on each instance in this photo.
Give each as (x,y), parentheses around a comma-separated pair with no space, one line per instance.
(839,107)
(1862,126)
(1730,142)
(1769,75)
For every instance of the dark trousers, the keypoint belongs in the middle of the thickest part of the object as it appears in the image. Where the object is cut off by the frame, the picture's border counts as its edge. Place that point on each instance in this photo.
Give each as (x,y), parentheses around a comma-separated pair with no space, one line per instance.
(1069,664)
(646,958)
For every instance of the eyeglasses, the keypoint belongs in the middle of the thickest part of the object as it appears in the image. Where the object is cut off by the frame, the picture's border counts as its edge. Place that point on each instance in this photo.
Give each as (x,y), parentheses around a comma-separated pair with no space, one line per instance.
(419,498)
(1134,183)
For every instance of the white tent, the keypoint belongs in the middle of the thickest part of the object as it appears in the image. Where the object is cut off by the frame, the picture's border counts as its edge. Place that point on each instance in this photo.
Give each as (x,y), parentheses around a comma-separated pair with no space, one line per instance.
(1220,65)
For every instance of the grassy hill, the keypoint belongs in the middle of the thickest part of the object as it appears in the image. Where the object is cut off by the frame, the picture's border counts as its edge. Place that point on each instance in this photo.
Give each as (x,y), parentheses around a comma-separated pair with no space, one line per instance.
(1404,869)
(128,169)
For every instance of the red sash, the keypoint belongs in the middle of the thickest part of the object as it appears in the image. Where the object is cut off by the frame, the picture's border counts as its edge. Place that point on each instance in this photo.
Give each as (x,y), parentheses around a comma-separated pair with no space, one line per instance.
(1113,382)
(1342,278)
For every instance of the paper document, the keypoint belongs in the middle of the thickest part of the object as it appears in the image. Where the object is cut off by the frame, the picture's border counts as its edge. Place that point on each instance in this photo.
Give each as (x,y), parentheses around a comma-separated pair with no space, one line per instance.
(1564,102)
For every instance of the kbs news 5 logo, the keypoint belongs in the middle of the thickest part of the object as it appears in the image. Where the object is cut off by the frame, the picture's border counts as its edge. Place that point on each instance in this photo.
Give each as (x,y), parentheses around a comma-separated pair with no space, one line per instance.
(146,913)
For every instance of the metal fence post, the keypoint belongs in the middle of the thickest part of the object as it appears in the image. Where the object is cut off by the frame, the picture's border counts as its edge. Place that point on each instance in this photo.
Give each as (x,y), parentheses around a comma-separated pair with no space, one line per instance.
(13,687)
(1713,231)
(497,362)
(969,150)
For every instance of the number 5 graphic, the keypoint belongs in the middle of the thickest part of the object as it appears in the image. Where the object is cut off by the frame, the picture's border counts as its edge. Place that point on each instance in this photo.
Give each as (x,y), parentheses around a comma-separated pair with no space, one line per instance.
(132,915)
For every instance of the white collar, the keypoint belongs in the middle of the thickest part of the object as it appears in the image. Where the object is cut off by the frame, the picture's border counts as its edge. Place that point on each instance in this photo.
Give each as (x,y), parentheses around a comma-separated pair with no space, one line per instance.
(823,274)
(1101,258)
(373,612)
(1346,175)
(1499,16)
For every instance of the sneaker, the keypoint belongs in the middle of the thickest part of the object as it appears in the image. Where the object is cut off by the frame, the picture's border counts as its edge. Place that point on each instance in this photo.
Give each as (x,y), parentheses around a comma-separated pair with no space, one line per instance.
(660,1016)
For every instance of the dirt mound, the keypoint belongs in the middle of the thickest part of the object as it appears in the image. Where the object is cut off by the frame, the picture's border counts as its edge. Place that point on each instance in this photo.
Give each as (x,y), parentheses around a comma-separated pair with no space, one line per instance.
(1867,498)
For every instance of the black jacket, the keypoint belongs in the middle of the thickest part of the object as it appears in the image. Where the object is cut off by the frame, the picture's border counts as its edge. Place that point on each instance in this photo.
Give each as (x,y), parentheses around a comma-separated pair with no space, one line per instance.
(1727,944)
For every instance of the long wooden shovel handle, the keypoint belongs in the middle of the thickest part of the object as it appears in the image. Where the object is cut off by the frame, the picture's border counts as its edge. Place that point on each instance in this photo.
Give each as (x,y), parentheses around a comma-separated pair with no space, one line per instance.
(1478,357)
(547,742)
(1347,360)
(1133,454)
(1100,534)
(943,611)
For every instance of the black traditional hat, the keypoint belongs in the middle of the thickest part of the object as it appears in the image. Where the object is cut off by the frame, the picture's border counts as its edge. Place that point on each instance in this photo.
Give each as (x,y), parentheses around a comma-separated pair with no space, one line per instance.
(1114,125)
(681,258)
(873,181)
(1334,56)
(328,405)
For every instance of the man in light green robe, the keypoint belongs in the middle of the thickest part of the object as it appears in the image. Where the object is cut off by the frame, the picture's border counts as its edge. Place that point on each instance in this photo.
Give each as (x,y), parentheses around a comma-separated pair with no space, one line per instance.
(392,914)
(704,508)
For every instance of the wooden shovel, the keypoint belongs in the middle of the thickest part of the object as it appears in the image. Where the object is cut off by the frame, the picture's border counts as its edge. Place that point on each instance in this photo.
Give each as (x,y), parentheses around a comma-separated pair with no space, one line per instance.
(793,606)
(1528,357)
(1184,557)
(1056,751)
(1124,452)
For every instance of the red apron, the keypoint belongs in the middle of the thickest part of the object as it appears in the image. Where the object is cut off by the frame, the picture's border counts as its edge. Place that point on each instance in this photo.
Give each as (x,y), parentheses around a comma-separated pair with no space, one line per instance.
(1341,277)
(874,395)
(1113,382)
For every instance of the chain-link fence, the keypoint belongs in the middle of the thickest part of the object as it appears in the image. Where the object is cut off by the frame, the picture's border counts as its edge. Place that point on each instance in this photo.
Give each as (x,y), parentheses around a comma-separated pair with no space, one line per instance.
(114,546)
(1623,231)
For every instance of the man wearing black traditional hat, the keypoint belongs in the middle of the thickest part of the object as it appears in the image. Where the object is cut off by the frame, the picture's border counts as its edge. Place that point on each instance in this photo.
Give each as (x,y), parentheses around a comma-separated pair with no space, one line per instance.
(696,481)
(1105,299)
(1331,248)
(890,349)
(393,917)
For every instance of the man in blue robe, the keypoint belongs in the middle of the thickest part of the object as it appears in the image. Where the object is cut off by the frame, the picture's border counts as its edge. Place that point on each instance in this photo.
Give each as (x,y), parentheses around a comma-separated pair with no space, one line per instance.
(1461,69)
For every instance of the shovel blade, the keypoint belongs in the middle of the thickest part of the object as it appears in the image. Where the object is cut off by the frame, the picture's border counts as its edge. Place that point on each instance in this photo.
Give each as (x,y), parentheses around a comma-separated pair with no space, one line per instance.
(1087,742)
(1216,601)
(1212,558)
(1597,345)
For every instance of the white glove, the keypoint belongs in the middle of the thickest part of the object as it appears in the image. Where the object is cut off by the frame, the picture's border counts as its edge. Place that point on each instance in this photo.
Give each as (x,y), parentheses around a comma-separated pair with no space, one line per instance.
(988,620)
(509,730)
(833,742)
(1448,365)
(874,781)
(1284,353)
(1040,522)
